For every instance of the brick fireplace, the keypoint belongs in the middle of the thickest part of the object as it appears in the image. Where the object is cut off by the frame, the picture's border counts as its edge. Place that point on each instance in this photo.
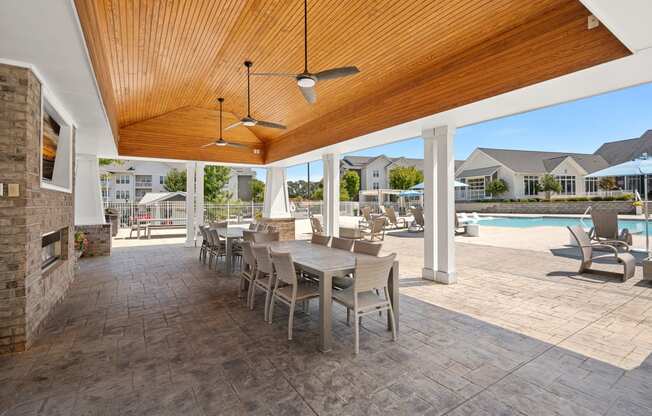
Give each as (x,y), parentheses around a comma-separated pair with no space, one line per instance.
(35,223)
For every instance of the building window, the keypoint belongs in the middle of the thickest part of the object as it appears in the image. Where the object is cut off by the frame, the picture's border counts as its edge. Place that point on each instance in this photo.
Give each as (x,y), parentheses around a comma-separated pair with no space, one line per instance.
(121,194)
(143,181)
(476,188)
(530,185)
(591,185)
(122,179)
(376,174)
(106,193)
(376,186)
(567,184)
(161,179)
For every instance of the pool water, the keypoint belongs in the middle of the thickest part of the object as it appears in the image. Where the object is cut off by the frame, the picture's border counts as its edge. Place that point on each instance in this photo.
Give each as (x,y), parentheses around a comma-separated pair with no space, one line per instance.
(634,226)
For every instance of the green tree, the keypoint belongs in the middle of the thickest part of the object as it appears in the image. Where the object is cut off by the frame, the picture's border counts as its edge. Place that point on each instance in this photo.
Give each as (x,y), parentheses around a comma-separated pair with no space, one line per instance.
(351,181)
(257,190)
(215,180)
(496,187)
(175,181)
(318,194)
(344,192)
(404,177)
(608,184)
(107,162)
(549,184)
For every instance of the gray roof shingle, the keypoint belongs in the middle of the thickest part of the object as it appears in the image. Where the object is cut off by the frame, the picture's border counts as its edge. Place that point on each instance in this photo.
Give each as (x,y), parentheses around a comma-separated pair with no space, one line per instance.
(624,150)
(536,161)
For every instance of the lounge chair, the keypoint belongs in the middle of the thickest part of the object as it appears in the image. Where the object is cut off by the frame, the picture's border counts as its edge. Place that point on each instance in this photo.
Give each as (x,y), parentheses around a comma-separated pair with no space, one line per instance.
(316,226)
(586,250)
(460,228)
(394,220)
(419,221)
(605,230)
(377,230)
(366,220)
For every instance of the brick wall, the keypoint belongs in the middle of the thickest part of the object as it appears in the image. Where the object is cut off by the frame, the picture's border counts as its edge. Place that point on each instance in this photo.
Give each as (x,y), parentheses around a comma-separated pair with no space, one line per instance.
(27,294)
(99,239)
(566,207)
(285,227)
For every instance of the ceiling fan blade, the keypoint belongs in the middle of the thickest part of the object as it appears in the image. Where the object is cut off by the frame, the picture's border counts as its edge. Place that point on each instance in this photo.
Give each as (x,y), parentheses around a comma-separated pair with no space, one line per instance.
(233,125)
(274,74)
(334,73)
(309,94)
(270,124)
(209,144)
(238,145)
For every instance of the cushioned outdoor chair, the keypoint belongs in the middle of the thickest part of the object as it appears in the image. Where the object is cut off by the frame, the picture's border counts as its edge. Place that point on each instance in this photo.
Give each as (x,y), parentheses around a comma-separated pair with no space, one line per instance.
(587,252)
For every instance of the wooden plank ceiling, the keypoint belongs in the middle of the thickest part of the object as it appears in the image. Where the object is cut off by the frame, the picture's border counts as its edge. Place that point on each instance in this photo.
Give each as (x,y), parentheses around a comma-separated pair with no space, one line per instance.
(162,64)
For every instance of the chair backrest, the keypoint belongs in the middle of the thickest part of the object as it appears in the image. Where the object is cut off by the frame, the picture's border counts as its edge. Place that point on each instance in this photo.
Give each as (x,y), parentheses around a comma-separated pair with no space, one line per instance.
(260,226)
(316,226)
(391,215)
(418,216)
(382,208)
(605,224)
(248,256)
(372,273)
(284,267)
(272,229)
(215,235)
(219,224)
(365,247)
(366,213)
(320,239)
(263,259)
(342,243)
(248,235)
(583,241)
(263,237)
(378,225)
(253,226)
(202,231)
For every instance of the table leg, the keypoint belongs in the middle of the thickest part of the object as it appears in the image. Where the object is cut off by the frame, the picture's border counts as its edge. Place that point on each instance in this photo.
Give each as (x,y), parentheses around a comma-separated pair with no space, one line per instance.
(227,261)
(393,295)
(325,312)
(138,231)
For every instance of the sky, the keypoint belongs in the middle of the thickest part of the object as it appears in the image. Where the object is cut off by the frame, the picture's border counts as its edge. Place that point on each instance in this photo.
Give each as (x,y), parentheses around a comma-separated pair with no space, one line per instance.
(579,127)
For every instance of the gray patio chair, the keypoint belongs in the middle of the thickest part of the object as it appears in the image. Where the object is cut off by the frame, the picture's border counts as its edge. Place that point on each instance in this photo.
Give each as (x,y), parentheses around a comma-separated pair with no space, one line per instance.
(217,247)
(395,221)
(316,226)
(266,237)
(605,230)
(263,279)
(419,221)
(203,250)
(294,291)
(586,250)
(366,247)
(369,279)
(342,243)
(377,230)
(248,271)
(323,240)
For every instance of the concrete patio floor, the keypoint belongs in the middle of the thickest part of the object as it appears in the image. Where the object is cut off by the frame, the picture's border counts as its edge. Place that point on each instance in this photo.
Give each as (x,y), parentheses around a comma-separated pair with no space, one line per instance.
(151,331)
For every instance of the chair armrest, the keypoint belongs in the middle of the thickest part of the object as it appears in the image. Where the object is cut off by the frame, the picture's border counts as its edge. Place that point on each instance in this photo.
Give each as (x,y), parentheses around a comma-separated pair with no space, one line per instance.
(613,249)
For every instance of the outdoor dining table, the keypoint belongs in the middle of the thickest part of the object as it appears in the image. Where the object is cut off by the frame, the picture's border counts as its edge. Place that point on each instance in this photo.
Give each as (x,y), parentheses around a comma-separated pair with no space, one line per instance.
(325,262)
(229,234)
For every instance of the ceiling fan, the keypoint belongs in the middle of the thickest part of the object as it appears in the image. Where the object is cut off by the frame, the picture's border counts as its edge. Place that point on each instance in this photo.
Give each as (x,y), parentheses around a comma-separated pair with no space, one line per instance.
(307,80)
(221,142)
(249,121)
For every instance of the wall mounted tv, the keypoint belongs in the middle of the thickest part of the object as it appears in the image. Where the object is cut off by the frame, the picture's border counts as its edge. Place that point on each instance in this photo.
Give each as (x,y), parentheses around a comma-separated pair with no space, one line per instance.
(51,131)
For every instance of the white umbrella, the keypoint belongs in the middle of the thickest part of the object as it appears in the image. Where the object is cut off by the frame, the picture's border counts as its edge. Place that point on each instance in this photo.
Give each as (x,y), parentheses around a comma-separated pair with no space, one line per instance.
(636,167)
(457,185)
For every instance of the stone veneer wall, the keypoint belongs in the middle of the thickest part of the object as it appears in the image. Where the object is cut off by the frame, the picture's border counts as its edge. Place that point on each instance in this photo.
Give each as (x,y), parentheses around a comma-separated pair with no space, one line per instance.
(285,227)
(554,207)
(99,239)
(27,294)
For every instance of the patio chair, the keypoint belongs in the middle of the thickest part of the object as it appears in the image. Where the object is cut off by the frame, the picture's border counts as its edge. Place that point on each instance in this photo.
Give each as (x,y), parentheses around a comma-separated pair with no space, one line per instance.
(419,221)
(248,235)
(316,226)
(293,291)
(366,220)
(248,271)
(217,247)
(203,250)
(342,243)
(586,250)
(396,222)
(377,230)
(605,230)
(265,237)
(263,279)
(366,247)
(252,226)
(369,279)
(460,228)
(322,240)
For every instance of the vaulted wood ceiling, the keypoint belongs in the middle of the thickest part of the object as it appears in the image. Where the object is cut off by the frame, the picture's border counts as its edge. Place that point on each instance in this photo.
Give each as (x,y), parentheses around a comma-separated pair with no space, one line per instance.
(162,64)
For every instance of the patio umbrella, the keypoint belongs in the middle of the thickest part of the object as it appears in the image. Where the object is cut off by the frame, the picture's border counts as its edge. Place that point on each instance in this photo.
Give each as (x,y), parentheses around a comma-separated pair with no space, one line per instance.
(457,185)
(636,167)
(410,193)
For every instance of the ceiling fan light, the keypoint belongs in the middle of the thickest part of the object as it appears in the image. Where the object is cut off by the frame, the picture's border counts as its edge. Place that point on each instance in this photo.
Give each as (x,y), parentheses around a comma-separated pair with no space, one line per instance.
(305,82)
(249,123)
(220,143)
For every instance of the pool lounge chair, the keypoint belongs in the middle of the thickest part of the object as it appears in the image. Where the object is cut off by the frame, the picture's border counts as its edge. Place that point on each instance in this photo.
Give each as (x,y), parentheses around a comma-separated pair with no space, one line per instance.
(394,220)
(419,221)
(586,250)
(605,230)
(460,228)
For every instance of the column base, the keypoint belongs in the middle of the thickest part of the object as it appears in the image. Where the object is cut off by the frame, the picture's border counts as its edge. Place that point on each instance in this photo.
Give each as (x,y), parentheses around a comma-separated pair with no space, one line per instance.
(439,276)
(189,243)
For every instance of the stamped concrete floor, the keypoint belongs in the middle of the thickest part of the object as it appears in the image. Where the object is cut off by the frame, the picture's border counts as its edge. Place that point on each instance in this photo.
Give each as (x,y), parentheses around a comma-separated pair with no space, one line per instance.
(151,331)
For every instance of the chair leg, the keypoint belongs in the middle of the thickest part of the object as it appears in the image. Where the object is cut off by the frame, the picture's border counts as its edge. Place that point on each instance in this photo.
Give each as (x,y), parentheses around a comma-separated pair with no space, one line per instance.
(356,325)
(291,319)
(392,321)
(348,317)
(271,309)
(267,301)
(252,298)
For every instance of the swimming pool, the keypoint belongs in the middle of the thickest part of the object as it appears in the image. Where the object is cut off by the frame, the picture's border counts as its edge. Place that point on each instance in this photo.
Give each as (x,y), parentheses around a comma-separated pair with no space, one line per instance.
(634,226)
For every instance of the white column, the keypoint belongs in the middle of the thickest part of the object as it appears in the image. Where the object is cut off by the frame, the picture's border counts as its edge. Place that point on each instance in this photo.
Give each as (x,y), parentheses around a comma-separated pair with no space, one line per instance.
(277,203)
(439,204)
(199,194)
(89,209)
(190,204)
(331,203)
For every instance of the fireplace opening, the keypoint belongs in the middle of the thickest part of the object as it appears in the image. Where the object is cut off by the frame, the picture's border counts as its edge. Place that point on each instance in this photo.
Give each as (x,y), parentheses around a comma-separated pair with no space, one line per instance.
(51,248)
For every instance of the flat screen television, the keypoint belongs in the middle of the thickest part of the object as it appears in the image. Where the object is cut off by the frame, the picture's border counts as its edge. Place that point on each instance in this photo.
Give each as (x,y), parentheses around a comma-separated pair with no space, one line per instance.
(50,143)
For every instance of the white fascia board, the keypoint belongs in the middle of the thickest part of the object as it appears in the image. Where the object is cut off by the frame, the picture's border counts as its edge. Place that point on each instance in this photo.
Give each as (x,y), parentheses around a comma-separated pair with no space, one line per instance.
(622,73)
(628,20)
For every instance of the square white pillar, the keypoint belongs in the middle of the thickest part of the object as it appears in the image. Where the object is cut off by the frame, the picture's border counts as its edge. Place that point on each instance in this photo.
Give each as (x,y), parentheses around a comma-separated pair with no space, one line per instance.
(89,209)
(190,204)
(439,204)
(277,202)
(331,203)
(199,194)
